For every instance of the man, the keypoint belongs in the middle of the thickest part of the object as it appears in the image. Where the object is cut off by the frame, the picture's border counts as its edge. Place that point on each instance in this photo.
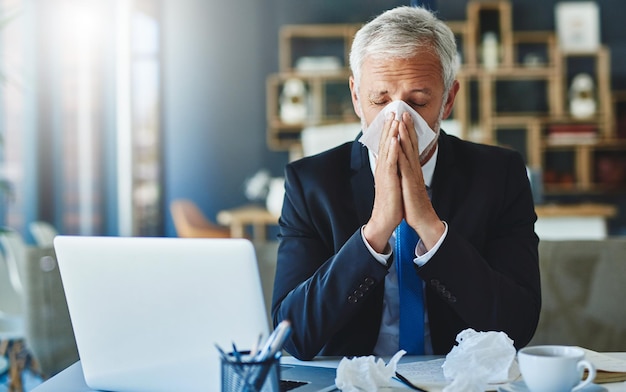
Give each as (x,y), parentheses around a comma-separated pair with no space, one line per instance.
(470,205)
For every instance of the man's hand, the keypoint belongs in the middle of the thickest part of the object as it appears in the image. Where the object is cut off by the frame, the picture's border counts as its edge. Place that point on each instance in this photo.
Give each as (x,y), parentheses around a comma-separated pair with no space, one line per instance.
(388,210)
(418,210)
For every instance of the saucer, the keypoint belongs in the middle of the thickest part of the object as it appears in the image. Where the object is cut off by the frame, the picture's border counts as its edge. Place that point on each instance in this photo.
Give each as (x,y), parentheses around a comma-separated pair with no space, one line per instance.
(520,386)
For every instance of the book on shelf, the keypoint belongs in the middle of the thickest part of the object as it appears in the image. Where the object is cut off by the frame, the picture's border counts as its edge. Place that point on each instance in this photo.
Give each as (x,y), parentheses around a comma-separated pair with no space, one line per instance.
(572,134)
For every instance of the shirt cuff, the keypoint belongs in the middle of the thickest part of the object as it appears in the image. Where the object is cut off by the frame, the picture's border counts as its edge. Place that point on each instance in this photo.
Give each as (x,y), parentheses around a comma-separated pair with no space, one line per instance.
(382,258)
(421,254)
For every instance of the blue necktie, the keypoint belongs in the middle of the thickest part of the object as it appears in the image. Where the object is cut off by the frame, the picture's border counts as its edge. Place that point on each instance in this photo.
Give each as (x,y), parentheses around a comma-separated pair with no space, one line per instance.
(410,290)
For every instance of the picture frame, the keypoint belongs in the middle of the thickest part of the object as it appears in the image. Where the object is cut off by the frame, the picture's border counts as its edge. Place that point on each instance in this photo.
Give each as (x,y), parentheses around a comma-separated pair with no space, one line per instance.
(578,26)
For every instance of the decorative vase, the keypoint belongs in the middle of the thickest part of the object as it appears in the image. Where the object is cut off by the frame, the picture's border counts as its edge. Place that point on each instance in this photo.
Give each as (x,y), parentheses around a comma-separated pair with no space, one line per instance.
(582,98)
(293,102)
(274,201)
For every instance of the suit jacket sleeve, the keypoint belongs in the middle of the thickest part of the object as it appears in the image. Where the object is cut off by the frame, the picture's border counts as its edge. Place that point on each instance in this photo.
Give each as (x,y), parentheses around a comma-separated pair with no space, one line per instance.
(327,283)
(485,275)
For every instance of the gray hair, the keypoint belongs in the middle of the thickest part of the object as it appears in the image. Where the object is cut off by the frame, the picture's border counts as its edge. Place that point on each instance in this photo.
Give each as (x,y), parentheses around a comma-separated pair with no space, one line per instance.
(399,33)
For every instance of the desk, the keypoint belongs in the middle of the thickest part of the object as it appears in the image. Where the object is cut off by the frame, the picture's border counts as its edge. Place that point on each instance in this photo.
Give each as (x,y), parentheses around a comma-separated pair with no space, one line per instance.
(573,222)
(555,222)
(238,218)
(72,380)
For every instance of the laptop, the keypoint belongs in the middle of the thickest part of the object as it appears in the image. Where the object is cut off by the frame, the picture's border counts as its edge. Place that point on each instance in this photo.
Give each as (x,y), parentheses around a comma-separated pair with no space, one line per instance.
(148,312)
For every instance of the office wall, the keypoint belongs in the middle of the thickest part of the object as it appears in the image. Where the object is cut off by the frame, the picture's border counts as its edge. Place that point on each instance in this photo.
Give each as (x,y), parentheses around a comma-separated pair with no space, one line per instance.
(217,56)
(213,100)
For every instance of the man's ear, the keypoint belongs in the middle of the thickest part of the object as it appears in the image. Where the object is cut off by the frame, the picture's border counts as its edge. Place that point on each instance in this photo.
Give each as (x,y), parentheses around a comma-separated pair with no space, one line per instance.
(450,99)
(355,97)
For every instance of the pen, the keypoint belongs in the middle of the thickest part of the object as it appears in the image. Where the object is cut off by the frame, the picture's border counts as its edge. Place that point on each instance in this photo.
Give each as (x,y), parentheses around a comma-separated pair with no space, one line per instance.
(278,343)
(237,366)
(278,336)
(255,346)
(236,353)
(222,353)
(408,383)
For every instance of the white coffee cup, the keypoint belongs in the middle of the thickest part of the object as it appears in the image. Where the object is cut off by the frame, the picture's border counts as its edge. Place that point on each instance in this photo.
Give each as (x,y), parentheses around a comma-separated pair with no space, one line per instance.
(554,368)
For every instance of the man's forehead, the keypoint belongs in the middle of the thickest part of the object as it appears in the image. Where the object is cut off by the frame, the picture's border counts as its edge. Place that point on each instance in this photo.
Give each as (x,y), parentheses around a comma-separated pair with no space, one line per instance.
(421,80)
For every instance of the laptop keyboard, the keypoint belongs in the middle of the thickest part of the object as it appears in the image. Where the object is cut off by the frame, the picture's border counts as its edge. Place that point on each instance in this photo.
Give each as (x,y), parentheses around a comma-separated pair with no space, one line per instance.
(287,385)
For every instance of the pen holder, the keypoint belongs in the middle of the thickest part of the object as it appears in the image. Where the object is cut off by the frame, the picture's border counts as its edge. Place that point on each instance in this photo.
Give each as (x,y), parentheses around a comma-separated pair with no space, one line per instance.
(242,375)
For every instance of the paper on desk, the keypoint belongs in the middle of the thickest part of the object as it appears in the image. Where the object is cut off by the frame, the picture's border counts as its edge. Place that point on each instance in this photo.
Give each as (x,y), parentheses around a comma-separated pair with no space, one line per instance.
(605,362)
(425,374)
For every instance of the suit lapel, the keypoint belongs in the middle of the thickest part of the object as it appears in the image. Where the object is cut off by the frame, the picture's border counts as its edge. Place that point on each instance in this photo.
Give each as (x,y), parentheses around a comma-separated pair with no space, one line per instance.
(447,181)
(362,181)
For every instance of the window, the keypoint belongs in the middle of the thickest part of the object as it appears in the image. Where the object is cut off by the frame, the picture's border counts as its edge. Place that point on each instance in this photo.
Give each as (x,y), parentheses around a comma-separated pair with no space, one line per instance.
(81,119)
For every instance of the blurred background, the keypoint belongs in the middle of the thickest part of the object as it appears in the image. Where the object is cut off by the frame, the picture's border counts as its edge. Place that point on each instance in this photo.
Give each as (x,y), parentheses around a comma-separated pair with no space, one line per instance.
(111,109)
(117,116)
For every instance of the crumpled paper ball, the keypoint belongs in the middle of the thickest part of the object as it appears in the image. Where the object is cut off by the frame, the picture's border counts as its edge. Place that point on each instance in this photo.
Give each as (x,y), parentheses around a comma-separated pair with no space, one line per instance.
(365,374)
(478,359)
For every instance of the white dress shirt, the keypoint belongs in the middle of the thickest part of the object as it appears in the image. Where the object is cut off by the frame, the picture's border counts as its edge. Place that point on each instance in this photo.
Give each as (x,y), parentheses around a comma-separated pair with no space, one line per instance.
(388,342)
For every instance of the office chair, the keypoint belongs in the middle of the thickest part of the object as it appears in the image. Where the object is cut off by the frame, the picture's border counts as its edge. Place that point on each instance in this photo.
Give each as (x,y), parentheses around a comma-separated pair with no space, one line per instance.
(190,222)
(14,249)
(40,337)
(12,318)
(49,334)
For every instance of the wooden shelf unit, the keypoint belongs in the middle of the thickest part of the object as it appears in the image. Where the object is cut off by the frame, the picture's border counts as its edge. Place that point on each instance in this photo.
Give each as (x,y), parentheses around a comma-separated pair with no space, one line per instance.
(286,137)
(550,69)
(282,136)
(476,11)
(526,58)
(315,32)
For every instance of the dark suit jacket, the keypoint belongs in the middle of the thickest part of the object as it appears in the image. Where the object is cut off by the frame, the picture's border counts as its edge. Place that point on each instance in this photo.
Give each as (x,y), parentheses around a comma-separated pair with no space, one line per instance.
(485,275)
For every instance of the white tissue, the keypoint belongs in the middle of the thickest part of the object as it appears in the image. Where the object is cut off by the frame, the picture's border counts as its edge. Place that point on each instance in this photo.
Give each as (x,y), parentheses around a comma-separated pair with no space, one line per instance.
(364,374)
(480,358)
(425,135)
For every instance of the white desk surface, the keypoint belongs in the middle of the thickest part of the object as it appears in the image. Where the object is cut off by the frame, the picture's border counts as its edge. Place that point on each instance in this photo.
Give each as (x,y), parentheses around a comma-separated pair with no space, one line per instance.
(72,380)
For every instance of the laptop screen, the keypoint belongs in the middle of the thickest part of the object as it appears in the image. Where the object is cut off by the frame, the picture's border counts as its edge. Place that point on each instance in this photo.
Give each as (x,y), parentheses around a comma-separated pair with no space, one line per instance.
(147,312)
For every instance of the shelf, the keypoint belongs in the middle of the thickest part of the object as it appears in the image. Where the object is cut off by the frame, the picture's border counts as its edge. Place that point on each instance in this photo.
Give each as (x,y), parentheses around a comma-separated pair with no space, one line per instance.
(517,101)
(513,103)
(326,99)
(588,209)
(513,73)
(489,16)
(565,190)
(324,36)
